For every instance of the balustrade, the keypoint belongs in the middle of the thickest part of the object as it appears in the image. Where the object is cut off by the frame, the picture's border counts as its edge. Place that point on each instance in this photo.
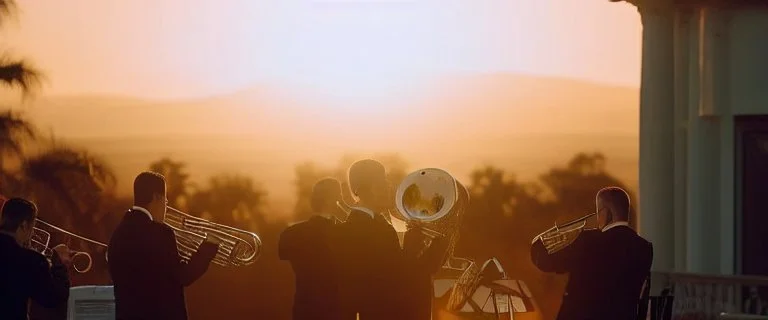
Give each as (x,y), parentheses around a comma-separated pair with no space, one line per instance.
(711,297)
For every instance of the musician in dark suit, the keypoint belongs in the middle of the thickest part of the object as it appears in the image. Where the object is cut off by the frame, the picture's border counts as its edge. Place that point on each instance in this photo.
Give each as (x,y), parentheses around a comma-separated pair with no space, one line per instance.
(24,273)
(421,262)
(307,246)
(148,273)
(367,249)
(607,266)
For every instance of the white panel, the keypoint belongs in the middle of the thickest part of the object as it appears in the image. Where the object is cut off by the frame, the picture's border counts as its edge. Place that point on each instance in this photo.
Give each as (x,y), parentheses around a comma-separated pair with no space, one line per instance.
(91,303)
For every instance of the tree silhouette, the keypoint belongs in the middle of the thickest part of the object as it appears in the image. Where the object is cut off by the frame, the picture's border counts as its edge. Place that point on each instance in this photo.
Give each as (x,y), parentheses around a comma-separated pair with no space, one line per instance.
(14,131)
(177,180)
(574,186)
(16,73)
(70,183)
(232,200)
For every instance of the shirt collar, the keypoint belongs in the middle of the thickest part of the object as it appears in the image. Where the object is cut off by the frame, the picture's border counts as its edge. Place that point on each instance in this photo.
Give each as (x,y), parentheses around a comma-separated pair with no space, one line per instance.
(366,210)
(615,224)
(137,208)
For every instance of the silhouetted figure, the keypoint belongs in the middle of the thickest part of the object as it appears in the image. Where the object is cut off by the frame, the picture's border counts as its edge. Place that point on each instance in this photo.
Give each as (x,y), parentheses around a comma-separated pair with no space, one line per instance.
(367,249)
(148,273)
(607,267)
(24,273)
(307,246)
(421,262)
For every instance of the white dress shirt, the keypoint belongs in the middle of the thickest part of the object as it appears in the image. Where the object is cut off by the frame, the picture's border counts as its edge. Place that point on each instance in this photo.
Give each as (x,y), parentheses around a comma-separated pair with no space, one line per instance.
(137,208)
(615,224)
(366,210)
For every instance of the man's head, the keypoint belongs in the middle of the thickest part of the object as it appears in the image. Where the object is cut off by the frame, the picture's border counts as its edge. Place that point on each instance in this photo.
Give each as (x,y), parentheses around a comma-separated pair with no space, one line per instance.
(18,219)
(368,181)
(612,206)
(149,193)
(325,194)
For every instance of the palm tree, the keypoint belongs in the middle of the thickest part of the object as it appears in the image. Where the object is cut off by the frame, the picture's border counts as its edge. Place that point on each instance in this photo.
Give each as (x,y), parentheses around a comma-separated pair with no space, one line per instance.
(16,72)
(14,129)
(68,180)
(177,179)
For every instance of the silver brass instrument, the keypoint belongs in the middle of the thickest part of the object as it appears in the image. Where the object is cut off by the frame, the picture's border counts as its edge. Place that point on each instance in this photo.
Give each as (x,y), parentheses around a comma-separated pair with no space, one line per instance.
(237,247)
(435,201)
(559,237)
(344,206)
(41,239)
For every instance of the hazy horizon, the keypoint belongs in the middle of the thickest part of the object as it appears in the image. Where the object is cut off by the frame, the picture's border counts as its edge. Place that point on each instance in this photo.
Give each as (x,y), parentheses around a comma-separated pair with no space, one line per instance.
(459,124)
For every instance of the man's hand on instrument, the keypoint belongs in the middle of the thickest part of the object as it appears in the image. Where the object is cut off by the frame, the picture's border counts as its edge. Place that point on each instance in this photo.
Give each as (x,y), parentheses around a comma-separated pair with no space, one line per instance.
(213,240)
(65,255)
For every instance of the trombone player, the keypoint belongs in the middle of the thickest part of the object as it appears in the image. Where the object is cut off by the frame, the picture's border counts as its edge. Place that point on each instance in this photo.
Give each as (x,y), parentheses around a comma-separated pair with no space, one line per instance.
(24,273)
(607,266)
(149,275)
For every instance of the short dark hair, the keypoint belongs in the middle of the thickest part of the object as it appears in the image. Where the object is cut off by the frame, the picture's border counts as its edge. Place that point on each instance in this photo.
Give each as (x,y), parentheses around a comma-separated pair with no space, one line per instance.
(324,190)
(146,186)
(618,200)
(16,211)
(363,173)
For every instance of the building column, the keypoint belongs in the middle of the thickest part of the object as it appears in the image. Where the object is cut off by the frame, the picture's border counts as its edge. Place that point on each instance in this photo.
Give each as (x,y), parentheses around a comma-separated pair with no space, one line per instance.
(682,51)
(657,154)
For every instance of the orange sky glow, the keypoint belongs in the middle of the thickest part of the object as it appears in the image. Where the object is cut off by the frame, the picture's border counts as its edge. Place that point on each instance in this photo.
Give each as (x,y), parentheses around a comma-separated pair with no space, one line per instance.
(345,48)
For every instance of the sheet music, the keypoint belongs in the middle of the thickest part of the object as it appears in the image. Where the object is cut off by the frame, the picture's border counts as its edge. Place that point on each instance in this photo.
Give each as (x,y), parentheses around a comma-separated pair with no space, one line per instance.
(94,310)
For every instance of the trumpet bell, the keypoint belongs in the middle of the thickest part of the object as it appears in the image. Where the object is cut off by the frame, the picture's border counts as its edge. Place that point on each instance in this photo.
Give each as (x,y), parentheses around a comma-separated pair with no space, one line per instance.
(559,237)
(40,242)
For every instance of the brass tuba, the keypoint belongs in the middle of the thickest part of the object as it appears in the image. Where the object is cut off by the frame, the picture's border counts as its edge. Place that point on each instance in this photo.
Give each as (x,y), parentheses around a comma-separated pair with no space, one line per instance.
(41,241)
(237,247)
(434,200)
(559,237)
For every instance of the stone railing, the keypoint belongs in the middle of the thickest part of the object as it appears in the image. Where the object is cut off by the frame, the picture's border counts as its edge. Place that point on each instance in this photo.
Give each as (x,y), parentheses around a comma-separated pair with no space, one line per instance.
(708,297)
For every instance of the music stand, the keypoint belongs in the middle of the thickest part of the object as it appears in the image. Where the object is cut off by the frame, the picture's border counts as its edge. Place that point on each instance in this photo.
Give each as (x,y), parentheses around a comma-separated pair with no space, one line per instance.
(91,303)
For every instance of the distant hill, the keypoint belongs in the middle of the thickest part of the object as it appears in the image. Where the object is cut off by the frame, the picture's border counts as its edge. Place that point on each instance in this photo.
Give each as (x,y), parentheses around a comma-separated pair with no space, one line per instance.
(524,123)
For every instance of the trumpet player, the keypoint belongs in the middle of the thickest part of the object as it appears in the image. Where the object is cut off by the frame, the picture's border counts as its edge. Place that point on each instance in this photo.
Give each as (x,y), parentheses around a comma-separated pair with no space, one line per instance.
(607,266)
(306,245)
(367,249)
(24,273)
(148,273)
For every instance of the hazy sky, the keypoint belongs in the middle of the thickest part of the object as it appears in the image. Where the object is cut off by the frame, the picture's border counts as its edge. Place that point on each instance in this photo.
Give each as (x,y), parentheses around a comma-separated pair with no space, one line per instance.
(188,48)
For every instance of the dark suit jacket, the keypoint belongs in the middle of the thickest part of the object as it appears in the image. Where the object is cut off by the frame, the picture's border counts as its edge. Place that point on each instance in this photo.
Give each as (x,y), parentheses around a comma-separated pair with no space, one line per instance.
(307,246)
(26,274)
(369,261)
(420,264)
(607,270)
(148,273)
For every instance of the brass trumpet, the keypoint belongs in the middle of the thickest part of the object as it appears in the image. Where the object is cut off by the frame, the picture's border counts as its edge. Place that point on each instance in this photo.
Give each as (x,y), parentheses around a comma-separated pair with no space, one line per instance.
(237,247)
(41,239)
(559,237)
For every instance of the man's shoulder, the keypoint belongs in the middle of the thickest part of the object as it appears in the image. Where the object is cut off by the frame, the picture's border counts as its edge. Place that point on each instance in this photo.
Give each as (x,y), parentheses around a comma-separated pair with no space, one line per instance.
(32,258)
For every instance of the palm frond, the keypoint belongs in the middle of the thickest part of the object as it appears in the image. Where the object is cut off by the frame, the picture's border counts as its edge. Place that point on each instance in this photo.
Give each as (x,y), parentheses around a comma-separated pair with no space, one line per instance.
(7,8)
(19,73)
(14,130)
